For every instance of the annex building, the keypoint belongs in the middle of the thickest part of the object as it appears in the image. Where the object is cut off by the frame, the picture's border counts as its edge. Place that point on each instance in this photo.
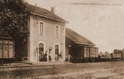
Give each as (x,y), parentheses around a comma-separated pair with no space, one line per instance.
(79,48)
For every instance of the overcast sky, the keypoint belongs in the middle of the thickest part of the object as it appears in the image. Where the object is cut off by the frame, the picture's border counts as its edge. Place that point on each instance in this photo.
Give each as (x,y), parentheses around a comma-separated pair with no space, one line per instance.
(101,22)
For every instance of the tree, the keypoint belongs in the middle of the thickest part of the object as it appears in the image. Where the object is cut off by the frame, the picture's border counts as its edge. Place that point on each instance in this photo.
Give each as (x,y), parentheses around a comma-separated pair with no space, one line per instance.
(14,21)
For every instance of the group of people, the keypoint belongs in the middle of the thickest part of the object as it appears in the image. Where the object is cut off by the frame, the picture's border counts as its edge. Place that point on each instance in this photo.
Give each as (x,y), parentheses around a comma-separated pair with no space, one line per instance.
(47,57)
(58,57)
(43,57)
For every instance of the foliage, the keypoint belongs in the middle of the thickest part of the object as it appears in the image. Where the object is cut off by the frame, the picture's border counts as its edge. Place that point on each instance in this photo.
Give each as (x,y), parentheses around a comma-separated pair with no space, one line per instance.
(14,21)
(13,18)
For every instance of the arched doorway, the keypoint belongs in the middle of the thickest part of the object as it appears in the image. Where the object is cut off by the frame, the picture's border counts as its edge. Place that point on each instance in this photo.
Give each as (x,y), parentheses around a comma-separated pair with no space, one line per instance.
(57,52)
(41,51)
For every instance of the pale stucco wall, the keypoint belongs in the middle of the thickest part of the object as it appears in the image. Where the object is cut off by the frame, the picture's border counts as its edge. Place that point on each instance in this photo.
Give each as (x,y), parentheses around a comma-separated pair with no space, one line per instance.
(48,38)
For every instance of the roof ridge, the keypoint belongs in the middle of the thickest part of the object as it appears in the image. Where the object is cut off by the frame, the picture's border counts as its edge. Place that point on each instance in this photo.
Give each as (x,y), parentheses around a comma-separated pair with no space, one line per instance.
(82,37)
(37,7)
(37,10)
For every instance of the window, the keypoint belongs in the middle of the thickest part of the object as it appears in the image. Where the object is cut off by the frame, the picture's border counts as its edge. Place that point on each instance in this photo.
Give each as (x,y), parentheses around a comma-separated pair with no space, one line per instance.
(1,55)
(41,28)
(57,49)
(56,52)
(6,49)
(41,51)
(87,52)
(57,31)
(92,51)
(41,48)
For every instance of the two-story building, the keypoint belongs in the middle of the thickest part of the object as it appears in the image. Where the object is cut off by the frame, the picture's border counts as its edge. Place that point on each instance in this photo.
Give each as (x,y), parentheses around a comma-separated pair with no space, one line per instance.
(46,41)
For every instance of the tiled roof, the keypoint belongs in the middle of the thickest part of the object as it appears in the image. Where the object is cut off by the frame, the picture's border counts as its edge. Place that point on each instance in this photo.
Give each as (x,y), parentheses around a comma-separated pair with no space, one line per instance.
(77,38)
(43,12)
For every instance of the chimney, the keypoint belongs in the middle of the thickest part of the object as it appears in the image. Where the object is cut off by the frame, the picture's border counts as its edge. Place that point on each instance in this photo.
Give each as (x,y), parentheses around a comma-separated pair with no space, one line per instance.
(53,9)
(35,4)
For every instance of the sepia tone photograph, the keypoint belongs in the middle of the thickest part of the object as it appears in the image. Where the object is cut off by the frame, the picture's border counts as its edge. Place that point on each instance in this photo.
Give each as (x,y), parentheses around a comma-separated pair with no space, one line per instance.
(61,39)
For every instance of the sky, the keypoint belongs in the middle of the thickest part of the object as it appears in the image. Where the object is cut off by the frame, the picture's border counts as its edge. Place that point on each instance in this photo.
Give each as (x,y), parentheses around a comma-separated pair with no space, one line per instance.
(100,21)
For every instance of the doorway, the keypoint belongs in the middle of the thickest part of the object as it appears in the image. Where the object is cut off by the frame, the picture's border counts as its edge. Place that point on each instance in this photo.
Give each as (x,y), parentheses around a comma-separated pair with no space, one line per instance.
(41,51)
(56,52)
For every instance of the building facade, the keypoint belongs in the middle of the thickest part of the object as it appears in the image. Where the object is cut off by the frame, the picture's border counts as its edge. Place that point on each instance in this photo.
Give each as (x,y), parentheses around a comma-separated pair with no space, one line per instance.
(117,54)
(47,36)
(79,48)
(49,40)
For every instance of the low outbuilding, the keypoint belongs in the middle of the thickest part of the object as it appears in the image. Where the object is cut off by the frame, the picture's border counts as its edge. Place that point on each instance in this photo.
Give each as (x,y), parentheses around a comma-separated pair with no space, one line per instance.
(78,48)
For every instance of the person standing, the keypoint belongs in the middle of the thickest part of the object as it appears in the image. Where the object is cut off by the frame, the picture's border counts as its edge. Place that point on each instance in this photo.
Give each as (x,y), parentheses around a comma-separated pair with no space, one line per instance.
(50,58)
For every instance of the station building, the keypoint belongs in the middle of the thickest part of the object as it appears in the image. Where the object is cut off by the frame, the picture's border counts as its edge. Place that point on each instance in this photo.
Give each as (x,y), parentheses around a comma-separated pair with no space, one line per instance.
(49,39)
(47,35)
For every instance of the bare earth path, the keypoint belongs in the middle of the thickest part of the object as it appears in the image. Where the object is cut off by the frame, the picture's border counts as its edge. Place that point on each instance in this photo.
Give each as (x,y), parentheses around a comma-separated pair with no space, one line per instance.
(105,71)
(88,74)
(63,70)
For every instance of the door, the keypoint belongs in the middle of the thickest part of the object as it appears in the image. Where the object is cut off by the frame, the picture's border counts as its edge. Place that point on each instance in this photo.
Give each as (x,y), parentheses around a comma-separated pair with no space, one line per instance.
(56,52)
(41,51)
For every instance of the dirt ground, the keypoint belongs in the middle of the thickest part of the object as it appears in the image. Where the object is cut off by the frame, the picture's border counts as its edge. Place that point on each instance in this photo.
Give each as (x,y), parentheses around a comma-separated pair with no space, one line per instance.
(65,70)
(104,70)
(90,74)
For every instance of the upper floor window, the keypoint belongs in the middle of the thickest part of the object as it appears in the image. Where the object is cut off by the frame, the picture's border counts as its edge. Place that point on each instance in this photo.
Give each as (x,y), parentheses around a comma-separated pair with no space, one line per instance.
(41,28)
(57,31)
